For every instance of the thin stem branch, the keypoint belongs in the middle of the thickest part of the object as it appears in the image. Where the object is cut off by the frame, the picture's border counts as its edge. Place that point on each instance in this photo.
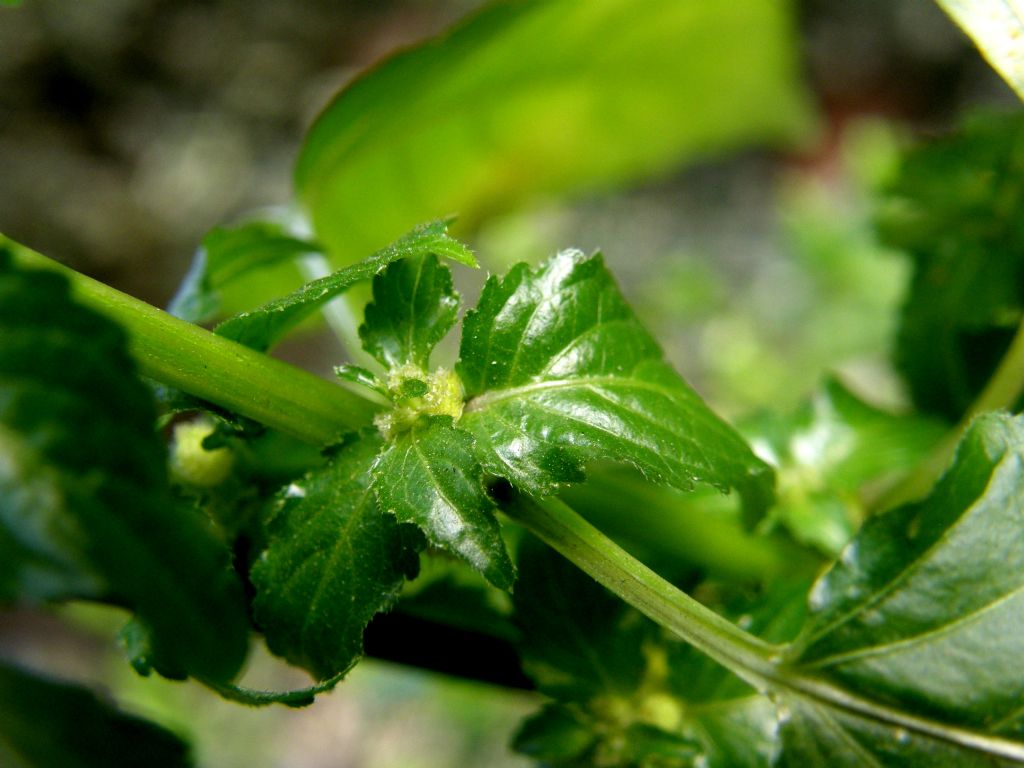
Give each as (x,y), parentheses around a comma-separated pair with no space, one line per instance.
(1003,390)
(190,358)
(568,533)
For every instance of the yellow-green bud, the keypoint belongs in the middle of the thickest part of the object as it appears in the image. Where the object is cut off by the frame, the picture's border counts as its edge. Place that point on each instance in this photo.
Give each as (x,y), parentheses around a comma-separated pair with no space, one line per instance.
(191,464)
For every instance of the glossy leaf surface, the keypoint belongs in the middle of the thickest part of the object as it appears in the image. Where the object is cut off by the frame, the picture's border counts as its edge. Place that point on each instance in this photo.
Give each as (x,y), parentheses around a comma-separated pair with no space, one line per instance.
(85,507)
(414,306)
(264,326)
(45,723)
(921,615)
(997,27)
(332,561)
(430,477)
(541,97)
(559,371)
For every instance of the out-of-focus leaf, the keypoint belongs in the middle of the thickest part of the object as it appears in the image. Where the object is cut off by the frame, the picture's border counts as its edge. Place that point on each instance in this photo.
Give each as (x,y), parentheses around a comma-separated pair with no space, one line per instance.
(84,501)
(579,641)
(430,477)
(333,560)
(920,617)
(227,256)
(997,27)
(628,694)
(414,306)
(45,724)
(828,452)
(556,733)
(540,97)
(559,371)
(954,207)
(262,327)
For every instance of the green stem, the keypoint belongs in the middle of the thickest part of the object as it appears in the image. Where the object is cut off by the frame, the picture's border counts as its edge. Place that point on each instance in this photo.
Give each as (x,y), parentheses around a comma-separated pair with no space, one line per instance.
(756,662)
(704,531)
(190,358)
(576,539)
(1003,390)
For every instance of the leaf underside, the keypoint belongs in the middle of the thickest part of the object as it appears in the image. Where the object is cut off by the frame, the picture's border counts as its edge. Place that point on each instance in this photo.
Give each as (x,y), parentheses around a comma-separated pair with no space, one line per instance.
(463,123)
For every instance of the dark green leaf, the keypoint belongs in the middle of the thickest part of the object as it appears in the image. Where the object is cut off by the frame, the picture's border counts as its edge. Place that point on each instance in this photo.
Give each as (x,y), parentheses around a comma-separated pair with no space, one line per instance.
(559,371)
(84,503)
(414,306)
(954,208)
(45,724)
(556,733)
(227,256)
(264,326)
(579,641)
(540,97)
(922,615)
(430,477)
(628,692)
(997,27)
(333,560)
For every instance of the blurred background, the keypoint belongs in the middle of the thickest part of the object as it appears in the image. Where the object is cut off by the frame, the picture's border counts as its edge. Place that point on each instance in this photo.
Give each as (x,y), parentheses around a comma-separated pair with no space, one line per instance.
(129,128)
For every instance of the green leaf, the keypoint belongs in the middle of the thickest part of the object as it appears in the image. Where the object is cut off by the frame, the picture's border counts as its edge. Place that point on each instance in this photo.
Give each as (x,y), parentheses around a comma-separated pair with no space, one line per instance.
(997,27)
(554,734)
(229,255)
(954,209)
(541,97)
(829,453)
(45,723)
(628,692)
(430,477)
(85,508)
(332,561)
(414,306)
(264,326)
(579,641)
(559,371)
(921,616)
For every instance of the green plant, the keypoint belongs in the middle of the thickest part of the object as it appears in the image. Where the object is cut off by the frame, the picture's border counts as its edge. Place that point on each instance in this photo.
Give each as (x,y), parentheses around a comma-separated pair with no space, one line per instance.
(302,509)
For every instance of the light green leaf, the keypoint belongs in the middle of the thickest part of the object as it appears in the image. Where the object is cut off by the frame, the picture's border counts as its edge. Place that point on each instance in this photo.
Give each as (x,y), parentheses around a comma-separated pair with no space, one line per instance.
(85,508)
(229,255)
(559,371)
(829,453)
(997,28)
(921,616)
(333,560)
(45,723)
(264,326)
(414,306)
(543,97)
(430,477)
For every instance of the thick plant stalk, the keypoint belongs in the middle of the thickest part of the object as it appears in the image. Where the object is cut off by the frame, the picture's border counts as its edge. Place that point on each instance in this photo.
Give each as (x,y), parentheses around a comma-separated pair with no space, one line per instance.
(190,358)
